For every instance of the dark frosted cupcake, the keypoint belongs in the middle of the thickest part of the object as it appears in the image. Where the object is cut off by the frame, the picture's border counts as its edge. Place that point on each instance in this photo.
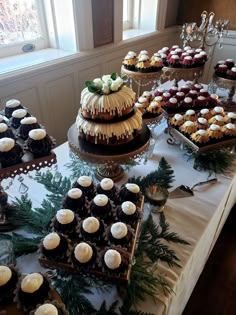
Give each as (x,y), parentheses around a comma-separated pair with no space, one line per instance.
(85,183)
(83,255)
(12,105)
(193,94)
(75,201)
(17,115)
(127,212)
(213,100)
(10,152)
(119,234)
(6,132)
(4,120)
(55,246)
(130,192)
(107,187)
(101,206)
(27,124)
(50,308)
(65,221)
(201,101)
(39,143)
(115,260)
(8,281)
(34,289)
(91,229)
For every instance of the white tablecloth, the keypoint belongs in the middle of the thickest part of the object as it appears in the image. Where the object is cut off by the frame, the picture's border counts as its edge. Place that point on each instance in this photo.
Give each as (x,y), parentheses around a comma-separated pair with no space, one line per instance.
(198,219)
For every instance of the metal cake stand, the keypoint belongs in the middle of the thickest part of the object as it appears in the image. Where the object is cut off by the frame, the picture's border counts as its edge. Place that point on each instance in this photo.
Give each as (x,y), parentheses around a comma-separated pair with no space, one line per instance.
(109,158)
(226,84)
(186,74)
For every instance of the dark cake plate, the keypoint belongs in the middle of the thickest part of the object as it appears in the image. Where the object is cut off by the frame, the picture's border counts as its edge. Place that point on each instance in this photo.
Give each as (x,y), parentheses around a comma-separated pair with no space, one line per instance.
(108,157)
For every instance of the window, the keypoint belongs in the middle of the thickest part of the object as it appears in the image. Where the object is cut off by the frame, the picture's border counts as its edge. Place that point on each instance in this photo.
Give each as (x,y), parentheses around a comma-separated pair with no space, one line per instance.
(128,9)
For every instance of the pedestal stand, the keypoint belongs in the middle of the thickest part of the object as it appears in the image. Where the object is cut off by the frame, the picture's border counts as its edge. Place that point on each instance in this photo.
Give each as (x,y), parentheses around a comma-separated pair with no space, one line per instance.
(229,104)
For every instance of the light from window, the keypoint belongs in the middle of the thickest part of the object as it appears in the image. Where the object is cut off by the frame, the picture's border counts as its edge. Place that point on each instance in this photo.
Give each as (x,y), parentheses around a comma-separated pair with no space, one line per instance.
(125,10)
(19,21)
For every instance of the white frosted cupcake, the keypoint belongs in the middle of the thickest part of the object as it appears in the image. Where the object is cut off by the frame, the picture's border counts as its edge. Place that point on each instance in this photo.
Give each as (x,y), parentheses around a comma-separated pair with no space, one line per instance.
(12,105)
(65,221)
(114,260)
(76,201)
(84,255)
(130,192)
(101,206)
(8,281)
(128,212)
(91,229)
(119,233)
(107,187)
(85,183)
(55,246)
(39,143)
(50,308)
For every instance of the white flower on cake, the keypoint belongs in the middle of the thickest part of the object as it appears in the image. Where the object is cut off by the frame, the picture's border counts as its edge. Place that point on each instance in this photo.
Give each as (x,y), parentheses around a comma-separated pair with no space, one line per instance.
(107,79)
(106,85)
(105,89)
(98,82)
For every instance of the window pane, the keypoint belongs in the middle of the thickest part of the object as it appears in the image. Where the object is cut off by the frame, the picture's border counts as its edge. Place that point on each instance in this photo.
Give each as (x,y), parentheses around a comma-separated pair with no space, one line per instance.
(125,10)
(19,21)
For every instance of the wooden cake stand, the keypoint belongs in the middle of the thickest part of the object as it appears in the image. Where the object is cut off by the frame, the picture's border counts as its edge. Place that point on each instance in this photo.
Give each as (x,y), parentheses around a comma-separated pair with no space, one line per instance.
(229,104)
(109,157)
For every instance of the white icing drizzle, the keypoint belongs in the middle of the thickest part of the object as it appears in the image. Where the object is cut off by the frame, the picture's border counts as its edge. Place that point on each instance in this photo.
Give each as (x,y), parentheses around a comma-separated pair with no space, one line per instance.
(65,216)
(119,230)
(3,127)
(28,120)
(112,259)
(83,252)
(51,241)
(100,200)
(12,103)
(158,98)
(46,309)
(128,207)
(75,193)
(84,181)
(6,144)
(134,188)
(176,57)
(142,99)
(107,183)
(201,98)
(193,92)
(166,94)
(19,113)
(204,111)
(37,134)
(180,93)
(143,58)
(218,109)
(219,118)
(203,90)
(5,275)
(91,225)
(32,282)
(188,58)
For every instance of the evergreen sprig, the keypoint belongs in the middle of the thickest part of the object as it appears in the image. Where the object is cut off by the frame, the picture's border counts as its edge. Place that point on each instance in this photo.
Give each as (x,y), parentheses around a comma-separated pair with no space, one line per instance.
(104,310)
(79,167)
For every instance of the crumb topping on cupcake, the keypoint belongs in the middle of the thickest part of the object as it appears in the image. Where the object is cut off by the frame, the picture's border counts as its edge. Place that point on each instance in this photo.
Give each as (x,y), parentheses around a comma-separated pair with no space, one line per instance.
(3,127)
(106,183)
(75,193)
(6,144)
(28,120)
(32,282)
(83,252)
(37,134)
(133,188)
(5,275)
(51,241)
(84,181)
(12,103)
(112,259)
(91,225)
(19,113)
(46,309)
(65,216)
(119,230)
(128,207)
(100,200)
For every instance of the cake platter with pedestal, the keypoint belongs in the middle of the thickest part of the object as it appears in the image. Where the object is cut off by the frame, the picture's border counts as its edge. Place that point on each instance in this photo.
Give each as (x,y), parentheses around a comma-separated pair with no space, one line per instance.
(109,157)
(177,74)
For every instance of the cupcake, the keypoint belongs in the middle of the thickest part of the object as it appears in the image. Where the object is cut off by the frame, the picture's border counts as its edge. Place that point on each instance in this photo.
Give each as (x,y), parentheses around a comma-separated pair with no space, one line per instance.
(185,89)
(200,101)
(143,101)
(128,212)
(115,260)
(130,192)
(154,109)
(148,95)
(130,60)
(164,58)
(34,289)
(229,63)
(12,105)
(101,206)
(200,136)
(217,119)
(174,47)
(187,102)
(85,183)
(174,61)
(17,115)
(50,308)
(159,91)
(143,53)
(191,52)
(220,62)
(231,74)
(178,51)
(75,201)
(205,113)
(158,100)
(8,281)
(10,152)
(187,62)
(221,71)
(183,55)
(229,129)
(143,64)
(198,60)
(65,221)
(26,125)
(204,55)
(202,123)
(213,100)
(54,246)
(188,127)
(180,96)
(39,143)
(232,117)
(165,50)
(173,90)
(119,234)
(190,115)
(197,87)
(193,94)
(6,132)
(83,255)
(187,48)
(156,64)
(172,103)
(218,110)
(107,187)
(166,96)
(204,92)
(215,132)
(177,120)
(140,107)
(91,229)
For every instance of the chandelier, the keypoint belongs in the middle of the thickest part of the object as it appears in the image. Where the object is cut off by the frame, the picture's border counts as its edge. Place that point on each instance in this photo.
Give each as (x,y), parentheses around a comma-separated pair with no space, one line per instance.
(208,33)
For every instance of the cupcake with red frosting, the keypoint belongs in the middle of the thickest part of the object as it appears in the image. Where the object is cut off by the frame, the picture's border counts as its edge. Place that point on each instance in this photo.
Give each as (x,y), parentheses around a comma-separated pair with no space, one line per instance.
(201,101)
(221,70)
(174,61)
(180,96)
(231,74)
(187,62)
(213,100)
(187,102)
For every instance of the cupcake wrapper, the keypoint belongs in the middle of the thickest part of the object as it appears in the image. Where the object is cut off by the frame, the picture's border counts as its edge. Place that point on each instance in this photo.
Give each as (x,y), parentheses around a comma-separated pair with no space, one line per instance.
(60,306)
(91,265)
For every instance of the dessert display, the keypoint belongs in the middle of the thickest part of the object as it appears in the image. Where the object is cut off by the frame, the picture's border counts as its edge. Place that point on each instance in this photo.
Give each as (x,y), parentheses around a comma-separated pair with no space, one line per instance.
(226,69)
(149,105)
(107,115)
(102,240)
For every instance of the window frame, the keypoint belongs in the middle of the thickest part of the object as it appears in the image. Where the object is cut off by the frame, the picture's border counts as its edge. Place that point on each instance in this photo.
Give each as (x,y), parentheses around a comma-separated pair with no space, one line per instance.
(129,23)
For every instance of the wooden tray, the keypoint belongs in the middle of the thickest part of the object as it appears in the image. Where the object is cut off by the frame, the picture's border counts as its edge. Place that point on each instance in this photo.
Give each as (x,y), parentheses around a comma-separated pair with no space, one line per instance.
(119,278)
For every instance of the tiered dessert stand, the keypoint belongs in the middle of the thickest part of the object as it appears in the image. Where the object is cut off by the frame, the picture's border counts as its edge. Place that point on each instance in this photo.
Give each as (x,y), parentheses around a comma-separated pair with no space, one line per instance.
(177,74)
(109,158)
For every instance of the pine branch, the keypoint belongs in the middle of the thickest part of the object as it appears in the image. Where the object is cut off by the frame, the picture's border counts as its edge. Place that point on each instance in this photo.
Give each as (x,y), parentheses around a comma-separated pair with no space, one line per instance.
(110,311)
(79,167)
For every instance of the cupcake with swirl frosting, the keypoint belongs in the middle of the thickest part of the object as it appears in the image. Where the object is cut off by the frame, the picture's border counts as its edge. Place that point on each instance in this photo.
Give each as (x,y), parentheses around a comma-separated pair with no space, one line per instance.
(26,125)
(39,143)
(12,105)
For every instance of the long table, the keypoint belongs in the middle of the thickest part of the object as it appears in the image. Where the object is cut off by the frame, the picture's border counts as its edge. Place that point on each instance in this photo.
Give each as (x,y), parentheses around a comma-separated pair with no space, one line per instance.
(197,219)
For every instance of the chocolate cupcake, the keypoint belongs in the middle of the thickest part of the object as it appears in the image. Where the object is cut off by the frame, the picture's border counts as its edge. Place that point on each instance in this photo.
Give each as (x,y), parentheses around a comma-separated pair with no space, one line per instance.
(8,281)
(119,234)
(65,221)
(101,206)
(26,125)
(76,201)
(128,212)
(12,105)
(84,255)
(34,289)
(6,132)
(54,246)
(4,119)
(85,183)
(130,192)
(10,152)
(39,143)
(114,260)
(108,188)
(91,229)
(17,115)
